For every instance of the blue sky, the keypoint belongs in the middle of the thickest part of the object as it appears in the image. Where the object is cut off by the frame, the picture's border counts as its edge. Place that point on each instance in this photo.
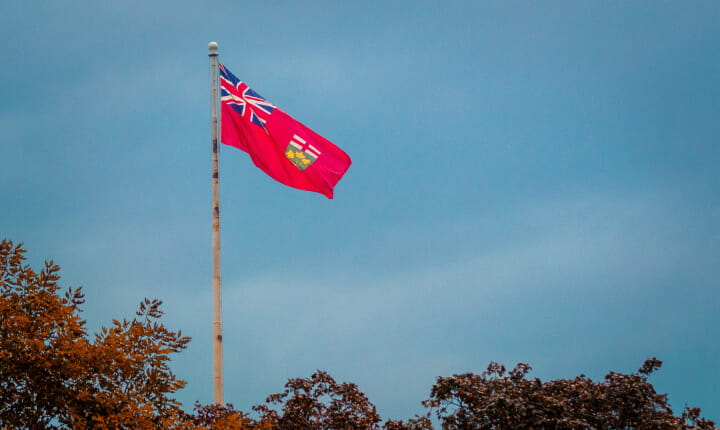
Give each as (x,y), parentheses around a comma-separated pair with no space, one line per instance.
(531,181)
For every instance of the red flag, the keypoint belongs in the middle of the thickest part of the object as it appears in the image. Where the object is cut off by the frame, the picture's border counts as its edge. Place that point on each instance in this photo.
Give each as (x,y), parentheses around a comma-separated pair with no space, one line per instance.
(278,144)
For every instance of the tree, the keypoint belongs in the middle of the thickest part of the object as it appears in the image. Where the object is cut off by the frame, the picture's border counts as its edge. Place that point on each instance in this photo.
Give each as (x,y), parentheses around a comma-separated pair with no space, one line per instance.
(319,403)
(53,375)
(315,403)
(499,400)
(219,417)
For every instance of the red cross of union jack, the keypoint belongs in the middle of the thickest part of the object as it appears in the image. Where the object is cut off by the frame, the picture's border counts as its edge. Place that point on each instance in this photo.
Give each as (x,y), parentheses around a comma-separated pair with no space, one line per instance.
(251,105)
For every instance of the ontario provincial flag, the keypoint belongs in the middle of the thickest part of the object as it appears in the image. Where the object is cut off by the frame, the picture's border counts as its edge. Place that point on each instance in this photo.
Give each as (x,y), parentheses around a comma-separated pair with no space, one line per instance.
(279,145)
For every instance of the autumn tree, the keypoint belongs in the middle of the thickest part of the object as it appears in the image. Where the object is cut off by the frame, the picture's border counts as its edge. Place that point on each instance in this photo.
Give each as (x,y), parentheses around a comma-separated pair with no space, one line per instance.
(54,375)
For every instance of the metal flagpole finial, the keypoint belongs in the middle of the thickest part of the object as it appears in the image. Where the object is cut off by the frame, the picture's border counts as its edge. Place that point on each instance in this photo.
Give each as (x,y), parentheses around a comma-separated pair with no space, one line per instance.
(212,46)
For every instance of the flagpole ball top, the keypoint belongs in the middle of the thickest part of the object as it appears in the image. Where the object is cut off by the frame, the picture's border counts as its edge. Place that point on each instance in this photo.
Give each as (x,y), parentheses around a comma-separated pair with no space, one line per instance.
(213,46)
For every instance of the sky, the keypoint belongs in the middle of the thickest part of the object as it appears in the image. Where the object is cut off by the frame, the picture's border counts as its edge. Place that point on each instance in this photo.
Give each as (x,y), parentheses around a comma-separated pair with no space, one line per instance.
(531,182)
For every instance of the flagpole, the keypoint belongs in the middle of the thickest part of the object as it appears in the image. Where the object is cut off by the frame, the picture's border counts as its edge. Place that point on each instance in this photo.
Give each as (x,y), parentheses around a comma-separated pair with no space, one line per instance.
(217,305)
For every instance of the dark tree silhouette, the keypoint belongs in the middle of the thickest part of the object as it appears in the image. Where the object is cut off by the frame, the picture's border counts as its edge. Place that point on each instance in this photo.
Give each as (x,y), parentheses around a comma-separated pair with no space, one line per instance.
(497,399)
(319,403)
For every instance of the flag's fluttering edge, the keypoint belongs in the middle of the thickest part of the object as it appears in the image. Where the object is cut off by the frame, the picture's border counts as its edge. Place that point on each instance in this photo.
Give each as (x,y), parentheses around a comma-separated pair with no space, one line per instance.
(278,144)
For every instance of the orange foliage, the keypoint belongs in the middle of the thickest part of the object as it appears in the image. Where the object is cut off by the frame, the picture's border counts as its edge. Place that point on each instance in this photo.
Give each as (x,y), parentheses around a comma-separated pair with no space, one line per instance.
(53,375)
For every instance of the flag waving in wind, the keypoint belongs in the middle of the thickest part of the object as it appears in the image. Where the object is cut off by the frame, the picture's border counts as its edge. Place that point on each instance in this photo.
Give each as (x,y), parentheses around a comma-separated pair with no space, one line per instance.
(278,144)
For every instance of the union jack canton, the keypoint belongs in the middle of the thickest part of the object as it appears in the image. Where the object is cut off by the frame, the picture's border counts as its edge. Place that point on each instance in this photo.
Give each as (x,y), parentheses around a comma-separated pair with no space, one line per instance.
(251,105)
